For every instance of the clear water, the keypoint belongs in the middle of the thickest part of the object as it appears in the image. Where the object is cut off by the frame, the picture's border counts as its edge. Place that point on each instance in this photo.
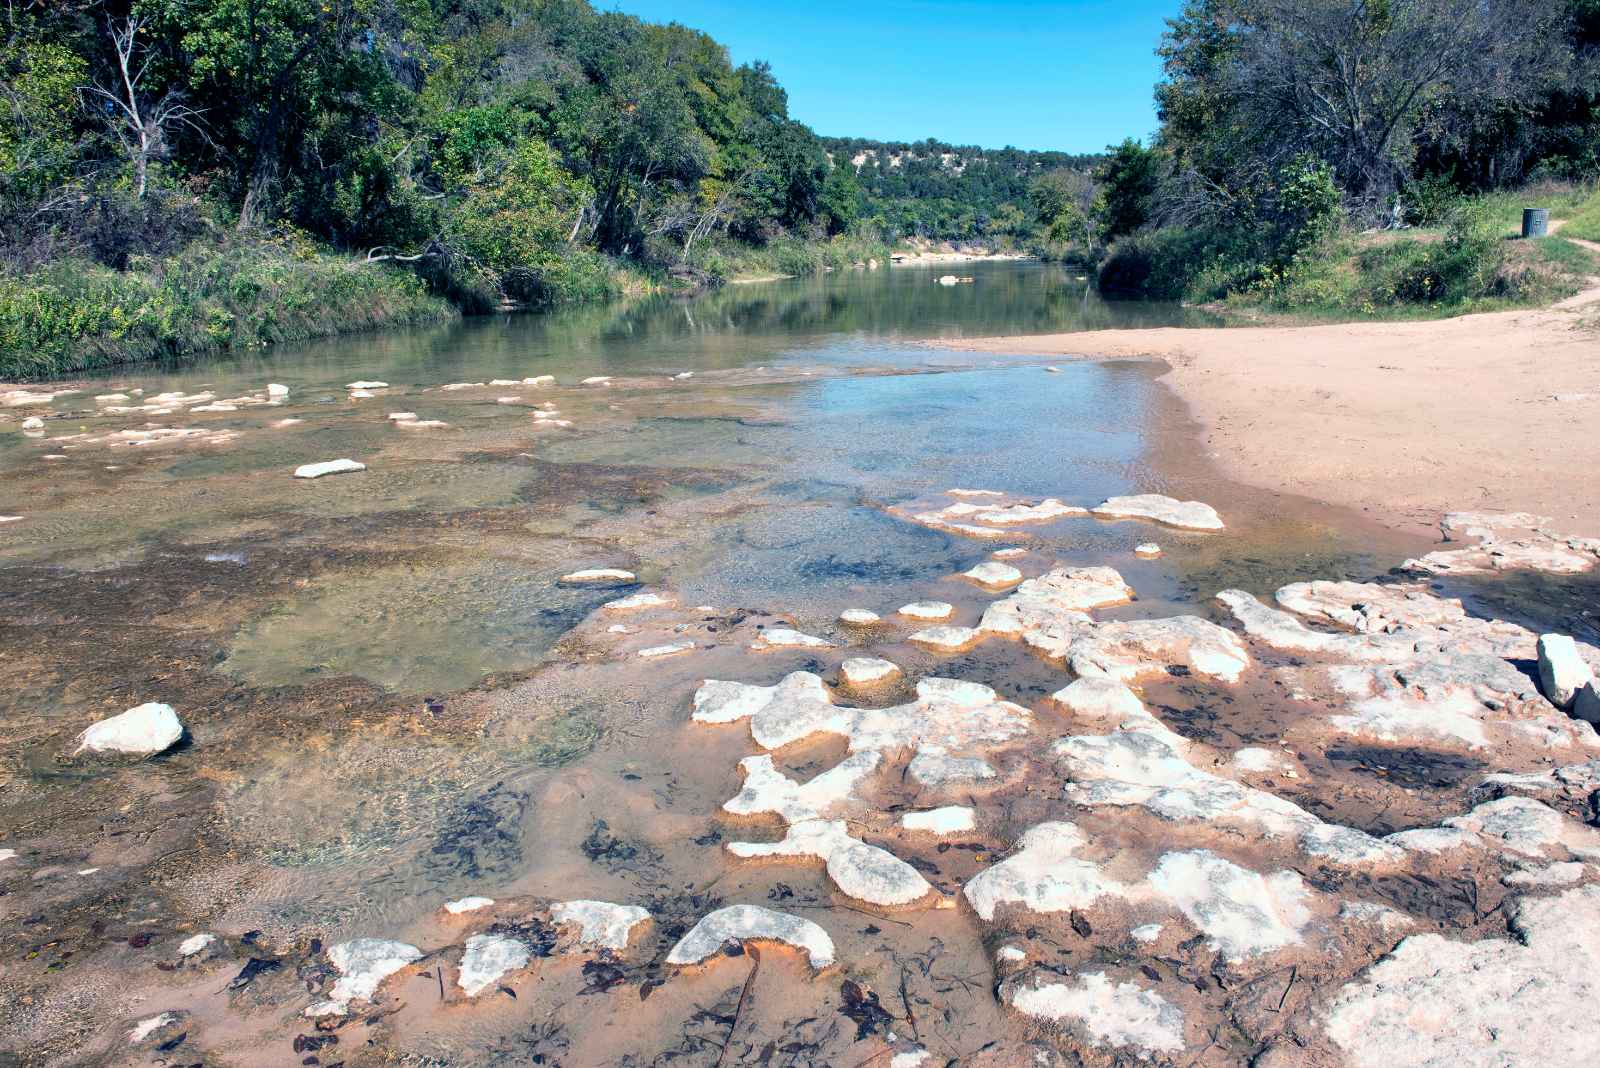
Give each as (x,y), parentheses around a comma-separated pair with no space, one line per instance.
(297,626)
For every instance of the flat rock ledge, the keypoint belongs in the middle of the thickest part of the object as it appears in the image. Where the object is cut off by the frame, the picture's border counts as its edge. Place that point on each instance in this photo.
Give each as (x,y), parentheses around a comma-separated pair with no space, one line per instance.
(1190,515)
(752,923)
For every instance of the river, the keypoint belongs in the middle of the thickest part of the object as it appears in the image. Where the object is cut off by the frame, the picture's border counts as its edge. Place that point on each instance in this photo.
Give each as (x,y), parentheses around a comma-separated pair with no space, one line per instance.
(392,700)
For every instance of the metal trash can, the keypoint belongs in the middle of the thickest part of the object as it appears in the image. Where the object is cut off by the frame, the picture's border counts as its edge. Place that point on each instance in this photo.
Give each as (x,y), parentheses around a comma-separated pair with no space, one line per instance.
(1535,222)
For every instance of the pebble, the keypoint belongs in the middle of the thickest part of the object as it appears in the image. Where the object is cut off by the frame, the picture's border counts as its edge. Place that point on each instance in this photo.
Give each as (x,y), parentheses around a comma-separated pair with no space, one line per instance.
(328,467)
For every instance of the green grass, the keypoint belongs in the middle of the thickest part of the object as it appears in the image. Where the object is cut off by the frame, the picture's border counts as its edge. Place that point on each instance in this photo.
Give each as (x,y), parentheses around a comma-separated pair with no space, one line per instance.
(726,260)
(1584,220)
(78,315)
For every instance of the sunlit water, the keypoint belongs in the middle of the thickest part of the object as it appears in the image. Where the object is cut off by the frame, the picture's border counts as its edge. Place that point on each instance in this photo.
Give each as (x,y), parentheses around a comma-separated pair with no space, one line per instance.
(299,626)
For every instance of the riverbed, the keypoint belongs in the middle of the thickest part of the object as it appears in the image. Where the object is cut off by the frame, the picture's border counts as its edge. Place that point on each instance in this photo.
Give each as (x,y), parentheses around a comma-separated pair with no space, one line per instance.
(399,690)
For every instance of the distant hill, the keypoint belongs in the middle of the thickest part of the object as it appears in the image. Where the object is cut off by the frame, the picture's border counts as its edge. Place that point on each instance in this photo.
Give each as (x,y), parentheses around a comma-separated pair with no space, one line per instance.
(941,191)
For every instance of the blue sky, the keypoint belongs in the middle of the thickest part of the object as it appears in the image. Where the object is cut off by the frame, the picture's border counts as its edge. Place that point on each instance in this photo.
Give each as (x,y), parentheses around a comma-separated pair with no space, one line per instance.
(1073,75)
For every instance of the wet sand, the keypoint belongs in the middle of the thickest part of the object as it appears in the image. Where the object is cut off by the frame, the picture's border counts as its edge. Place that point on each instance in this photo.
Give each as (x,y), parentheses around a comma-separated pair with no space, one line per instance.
(1402,421)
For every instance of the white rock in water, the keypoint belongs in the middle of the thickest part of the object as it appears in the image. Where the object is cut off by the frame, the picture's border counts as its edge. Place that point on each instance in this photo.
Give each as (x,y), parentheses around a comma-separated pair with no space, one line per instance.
(1102,698)
(1435,1002)
(785,638)
(600,574)
(927,610)
(363,963)
(1562,672)
(421,424)
(539,380)
(467,904)
(1053,370)
(951,819)
(858,617)
(504,382)
(328,467)
(488,958)
(994,575)
(401,417)
(10,518)
(146,729)
(637,600)
(865,872)
(657,651)
(145,1028)
(274,389)
(195,944)
(865,670)
(507,400)
(1148,550)
(602,924)
(1009,554)
(946,639)
(596,380)
(1109,1015)
(361,394)
(33,422)
(8,854)
(1192,515)
(742,923)
(366,385)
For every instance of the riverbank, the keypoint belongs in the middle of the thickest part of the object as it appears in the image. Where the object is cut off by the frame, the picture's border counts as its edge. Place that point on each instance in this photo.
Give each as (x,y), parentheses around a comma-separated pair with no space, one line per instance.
(1402,420)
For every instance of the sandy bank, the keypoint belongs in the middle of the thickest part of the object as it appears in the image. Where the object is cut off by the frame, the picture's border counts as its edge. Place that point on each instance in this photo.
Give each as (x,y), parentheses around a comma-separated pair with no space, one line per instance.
(1404,420)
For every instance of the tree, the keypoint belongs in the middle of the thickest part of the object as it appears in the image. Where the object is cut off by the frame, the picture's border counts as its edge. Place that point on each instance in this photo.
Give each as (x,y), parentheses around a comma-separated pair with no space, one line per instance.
(1129,180)
(1363,84)
(1064,201)
(140,125)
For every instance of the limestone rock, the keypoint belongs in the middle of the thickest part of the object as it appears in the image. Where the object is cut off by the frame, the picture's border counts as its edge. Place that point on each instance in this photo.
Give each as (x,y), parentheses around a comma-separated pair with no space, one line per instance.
(859,617)
(602,925)
(140,731)
(600,575)
(867,671)
(741,923)
(951,819)
(1192,515)
(946,639)
(994,574)
(364,963)
(1107,1014)
(488,959)
(1439,1003)
(788,638)
(462,906)
(328,467)
(864,872)
(656,652)
(1562,672)
(932,610)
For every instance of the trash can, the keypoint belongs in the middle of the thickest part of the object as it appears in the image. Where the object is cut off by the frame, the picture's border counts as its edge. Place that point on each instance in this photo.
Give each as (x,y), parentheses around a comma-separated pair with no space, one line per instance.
(1535,222)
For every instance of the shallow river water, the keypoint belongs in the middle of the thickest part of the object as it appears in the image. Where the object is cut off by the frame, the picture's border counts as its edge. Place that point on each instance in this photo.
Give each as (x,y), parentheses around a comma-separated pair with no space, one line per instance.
(392,701)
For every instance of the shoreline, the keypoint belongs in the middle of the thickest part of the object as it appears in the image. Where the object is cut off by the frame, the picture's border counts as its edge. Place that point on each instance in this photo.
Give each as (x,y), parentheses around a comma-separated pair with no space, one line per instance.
(1402,421)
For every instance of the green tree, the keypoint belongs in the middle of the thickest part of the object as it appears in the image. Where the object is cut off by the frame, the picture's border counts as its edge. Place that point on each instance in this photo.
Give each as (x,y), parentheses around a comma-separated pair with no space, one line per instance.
(1129,181)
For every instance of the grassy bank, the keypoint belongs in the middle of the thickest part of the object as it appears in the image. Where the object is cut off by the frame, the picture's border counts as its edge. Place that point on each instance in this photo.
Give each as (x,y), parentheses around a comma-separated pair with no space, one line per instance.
(77,315)
(728,260)
(1466,257)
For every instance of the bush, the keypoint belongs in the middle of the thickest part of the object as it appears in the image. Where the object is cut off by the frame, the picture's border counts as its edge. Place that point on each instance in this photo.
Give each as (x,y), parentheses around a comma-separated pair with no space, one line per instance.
(79,315)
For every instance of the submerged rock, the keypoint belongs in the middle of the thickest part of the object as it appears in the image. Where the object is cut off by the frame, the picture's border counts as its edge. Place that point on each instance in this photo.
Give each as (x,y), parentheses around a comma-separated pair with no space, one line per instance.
(140,731)
(464,905)
(637,600)
(489,958)
(742,923)
(859,617)
(864,872)
(599,574)
(1507,541)
(656,652)
(328,467)
(946,639)
(1191,515)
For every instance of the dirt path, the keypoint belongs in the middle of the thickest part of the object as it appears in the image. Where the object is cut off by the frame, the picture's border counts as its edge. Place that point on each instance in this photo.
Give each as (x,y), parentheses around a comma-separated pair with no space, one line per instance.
(1403,420)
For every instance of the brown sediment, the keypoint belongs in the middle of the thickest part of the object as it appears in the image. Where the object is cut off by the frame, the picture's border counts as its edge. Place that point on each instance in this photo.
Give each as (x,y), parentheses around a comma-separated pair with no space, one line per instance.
(1402,421)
